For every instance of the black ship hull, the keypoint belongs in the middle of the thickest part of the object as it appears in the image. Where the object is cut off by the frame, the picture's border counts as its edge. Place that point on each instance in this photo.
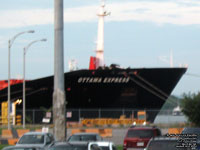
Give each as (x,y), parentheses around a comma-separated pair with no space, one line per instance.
(112,88)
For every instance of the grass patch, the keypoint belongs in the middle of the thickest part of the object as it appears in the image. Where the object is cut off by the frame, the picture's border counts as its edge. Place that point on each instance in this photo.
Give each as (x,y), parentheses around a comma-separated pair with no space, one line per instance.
(119,147)
(2,146)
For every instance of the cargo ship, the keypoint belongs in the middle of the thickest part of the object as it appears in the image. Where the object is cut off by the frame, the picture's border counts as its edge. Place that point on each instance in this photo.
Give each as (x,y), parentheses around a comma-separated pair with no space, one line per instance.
(103,87)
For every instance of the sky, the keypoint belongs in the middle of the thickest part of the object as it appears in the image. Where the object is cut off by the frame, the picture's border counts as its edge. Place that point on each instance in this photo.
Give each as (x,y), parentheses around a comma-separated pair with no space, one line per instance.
(138,33)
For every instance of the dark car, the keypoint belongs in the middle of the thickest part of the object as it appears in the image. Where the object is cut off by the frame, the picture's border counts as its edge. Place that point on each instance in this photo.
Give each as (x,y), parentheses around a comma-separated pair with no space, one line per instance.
(23,148)
(85,137)
(138,137)
(190,131)
(165,143)
(74,146)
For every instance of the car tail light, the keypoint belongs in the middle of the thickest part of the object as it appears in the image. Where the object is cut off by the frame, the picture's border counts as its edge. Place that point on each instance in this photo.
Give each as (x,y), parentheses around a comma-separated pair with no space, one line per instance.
(125,143)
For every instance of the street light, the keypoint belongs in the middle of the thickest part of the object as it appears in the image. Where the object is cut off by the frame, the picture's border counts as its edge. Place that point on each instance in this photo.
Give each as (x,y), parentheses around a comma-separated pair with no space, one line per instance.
(10,42)
(24,96)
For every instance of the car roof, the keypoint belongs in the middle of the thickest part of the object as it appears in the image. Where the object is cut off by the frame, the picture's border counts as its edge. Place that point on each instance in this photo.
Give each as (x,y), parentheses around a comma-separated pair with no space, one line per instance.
(164,138)
(142,128)
(86,133)
(191,129)
(71,143)
(35,133)
(60,143)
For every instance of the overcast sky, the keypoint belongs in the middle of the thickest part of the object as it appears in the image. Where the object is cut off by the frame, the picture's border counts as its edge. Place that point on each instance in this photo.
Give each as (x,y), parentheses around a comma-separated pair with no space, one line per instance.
(138,33)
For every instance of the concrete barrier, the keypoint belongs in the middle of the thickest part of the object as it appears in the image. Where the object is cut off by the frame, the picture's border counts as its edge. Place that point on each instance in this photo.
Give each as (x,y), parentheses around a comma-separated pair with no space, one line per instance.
(6,134)
(175,130)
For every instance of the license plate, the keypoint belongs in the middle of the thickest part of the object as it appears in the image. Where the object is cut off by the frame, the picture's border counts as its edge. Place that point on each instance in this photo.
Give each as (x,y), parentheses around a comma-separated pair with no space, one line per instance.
(140,143)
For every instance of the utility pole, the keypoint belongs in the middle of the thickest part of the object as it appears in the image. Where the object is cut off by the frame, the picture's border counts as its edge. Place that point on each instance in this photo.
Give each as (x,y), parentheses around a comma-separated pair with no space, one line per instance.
(59,104)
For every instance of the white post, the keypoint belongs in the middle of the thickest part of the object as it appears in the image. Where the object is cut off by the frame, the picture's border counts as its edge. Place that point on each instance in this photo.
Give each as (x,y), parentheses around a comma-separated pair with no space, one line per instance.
(9,46)
(24,96)
(24,82)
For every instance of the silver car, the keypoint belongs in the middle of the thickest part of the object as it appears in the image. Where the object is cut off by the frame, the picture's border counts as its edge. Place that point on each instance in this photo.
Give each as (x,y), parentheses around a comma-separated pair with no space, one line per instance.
(38,139)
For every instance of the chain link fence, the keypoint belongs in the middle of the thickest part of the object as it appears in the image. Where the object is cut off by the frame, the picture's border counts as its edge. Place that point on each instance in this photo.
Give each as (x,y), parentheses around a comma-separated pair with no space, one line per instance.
(35,116)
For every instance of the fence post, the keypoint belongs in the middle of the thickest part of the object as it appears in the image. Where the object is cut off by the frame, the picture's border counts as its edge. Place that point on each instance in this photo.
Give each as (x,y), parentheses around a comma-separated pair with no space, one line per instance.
(33,116)
(79,115)
(132,115)
(99,113)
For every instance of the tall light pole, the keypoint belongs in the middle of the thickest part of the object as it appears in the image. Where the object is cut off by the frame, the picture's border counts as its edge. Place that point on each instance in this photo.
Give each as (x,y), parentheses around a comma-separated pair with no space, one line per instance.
(24,91)
(10,42)
(59,104)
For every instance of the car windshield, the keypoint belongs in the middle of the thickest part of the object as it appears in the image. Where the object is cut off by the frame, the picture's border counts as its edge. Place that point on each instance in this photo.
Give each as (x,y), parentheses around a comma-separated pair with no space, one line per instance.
(82,138)
(67,147)
(195,131)
(32,139)
(140,133)
(164,145)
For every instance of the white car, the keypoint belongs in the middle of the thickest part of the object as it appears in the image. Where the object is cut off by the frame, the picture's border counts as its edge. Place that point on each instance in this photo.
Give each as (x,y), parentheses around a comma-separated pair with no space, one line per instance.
(76,145)
(104,145)
(39,139)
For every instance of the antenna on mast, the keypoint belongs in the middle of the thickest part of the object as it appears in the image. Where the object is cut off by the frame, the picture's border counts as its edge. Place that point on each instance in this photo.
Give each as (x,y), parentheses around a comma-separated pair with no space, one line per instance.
(72,64)
(171,59)
(168,60)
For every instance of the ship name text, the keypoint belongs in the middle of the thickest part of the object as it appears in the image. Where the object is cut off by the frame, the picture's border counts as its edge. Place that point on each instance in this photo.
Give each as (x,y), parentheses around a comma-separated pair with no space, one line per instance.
(103,80)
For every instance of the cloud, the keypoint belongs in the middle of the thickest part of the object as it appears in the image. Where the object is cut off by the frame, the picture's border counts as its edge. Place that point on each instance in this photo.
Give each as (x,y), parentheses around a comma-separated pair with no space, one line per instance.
(158,12)
(179,12)
(21,18)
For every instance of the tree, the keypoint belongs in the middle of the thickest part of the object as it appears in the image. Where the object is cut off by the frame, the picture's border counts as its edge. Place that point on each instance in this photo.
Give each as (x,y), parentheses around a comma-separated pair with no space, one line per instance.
(191,107)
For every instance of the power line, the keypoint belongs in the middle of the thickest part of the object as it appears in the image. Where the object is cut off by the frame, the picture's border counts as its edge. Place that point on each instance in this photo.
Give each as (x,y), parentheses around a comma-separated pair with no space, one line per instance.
(194,75)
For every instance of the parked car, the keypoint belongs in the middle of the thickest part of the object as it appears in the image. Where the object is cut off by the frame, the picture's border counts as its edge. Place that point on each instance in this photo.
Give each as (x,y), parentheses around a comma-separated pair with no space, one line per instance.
(164,143)
(39,139)
(80,145)
(191,131)
(85,137)
(23,148)
(105,145)
(138,137)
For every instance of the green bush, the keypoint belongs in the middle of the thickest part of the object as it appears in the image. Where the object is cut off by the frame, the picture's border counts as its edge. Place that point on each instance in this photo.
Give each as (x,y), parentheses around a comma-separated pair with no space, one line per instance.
(190,107)
(119,147)
(2,146)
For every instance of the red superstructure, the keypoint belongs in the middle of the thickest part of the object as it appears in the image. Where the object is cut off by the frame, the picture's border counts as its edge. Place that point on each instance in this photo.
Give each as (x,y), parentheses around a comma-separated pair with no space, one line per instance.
(93,63)
(4,83)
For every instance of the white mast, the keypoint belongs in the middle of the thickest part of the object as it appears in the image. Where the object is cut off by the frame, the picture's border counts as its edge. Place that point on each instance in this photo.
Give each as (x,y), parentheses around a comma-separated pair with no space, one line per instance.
(100,37)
